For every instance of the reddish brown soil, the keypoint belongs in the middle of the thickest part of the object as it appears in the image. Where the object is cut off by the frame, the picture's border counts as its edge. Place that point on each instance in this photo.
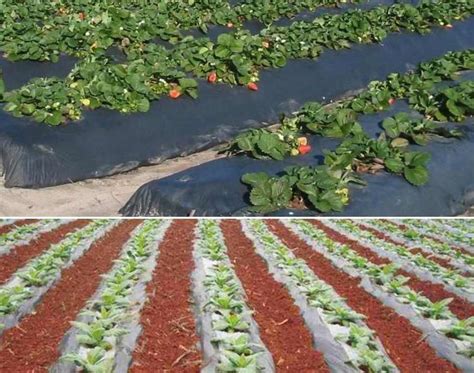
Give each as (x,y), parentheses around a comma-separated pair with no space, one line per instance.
(9,227)
(403,342)
(20,255)
(169,342)
(33,345)
(442,262)
(435,292)
(281,325)
(403,227)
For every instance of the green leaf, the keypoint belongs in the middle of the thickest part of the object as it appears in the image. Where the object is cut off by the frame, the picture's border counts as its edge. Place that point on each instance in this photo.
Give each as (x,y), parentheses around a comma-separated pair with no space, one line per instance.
(255,178)
(400,142)
(144,105)
(416,175)
(394,165)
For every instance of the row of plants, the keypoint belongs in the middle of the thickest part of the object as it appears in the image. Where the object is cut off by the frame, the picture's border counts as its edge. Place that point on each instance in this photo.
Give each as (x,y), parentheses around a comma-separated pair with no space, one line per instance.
(102,320)
(24,233)
(225,303)
(457,235)
(235,58)
(42,31)
(420,239)
(398,237)
(460,225)
(384,277)
(366,351)
(325,187)
(44,269)
(450,277)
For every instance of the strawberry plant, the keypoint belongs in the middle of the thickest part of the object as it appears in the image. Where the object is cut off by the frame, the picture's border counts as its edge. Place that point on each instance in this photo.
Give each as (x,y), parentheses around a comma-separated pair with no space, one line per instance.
(236,58)
(419,131)
(299,187)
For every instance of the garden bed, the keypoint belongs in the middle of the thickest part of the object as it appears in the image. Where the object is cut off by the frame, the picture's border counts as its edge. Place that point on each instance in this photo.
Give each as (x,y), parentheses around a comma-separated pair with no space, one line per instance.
(105,142)
(210,295)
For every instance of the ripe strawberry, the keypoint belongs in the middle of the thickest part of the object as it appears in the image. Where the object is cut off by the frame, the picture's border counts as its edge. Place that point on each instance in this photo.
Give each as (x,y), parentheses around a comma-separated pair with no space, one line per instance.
(175,93)
(212,78)
(304,149)
(392,101)
(449,26)
(230,25)
(252,86)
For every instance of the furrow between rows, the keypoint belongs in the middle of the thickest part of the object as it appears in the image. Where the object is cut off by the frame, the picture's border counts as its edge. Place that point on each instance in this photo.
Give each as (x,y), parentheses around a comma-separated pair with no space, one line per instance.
(168,341)
(282,327)
(34,344)
(20,255)
(443,254)
(434,292)
(423,268)
(403,342)
(446,333)
(10,225)
(23,235)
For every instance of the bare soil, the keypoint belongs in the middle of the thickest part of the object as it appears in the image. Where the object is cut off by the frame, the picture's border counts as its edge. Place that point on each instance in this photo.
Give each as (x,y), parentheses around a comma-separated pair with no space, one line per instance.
(93,197)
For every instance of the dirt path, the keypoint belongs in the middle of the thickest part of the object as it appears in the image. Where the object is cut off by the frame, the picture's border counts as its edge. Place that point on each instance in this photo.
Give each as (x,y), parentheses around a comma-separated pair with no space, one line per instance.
(94,197)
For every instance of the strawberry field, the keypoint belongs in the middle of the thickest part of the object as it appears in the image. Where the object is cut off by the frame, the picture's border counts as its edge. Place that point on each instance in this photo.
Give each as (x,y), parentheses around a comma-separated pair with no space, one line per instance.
(236,295)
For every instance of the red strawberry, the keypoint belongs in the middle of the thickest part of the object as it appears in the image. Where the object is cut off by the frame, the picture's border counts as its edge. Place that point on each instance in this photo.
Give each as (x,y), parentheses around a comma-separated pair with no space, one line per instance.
(392,101)
(449,26)
(230,25)
(252,86)
(212,78)
(304,149)
(174,93)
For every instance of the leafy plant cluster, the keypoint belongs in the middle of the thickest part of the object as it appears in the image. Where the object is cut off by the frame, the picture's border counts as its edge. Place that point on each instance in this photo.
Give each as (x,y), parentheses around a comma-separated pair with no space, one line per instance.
(235,58)
(448,276)
(358,153)
(43,30)
(417,238)
(300,187)
(340,120)
(457,234)
(226,304)
(386,278)
(43,269)
(457,225)
(23,232)
(104,316)
(332,308)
